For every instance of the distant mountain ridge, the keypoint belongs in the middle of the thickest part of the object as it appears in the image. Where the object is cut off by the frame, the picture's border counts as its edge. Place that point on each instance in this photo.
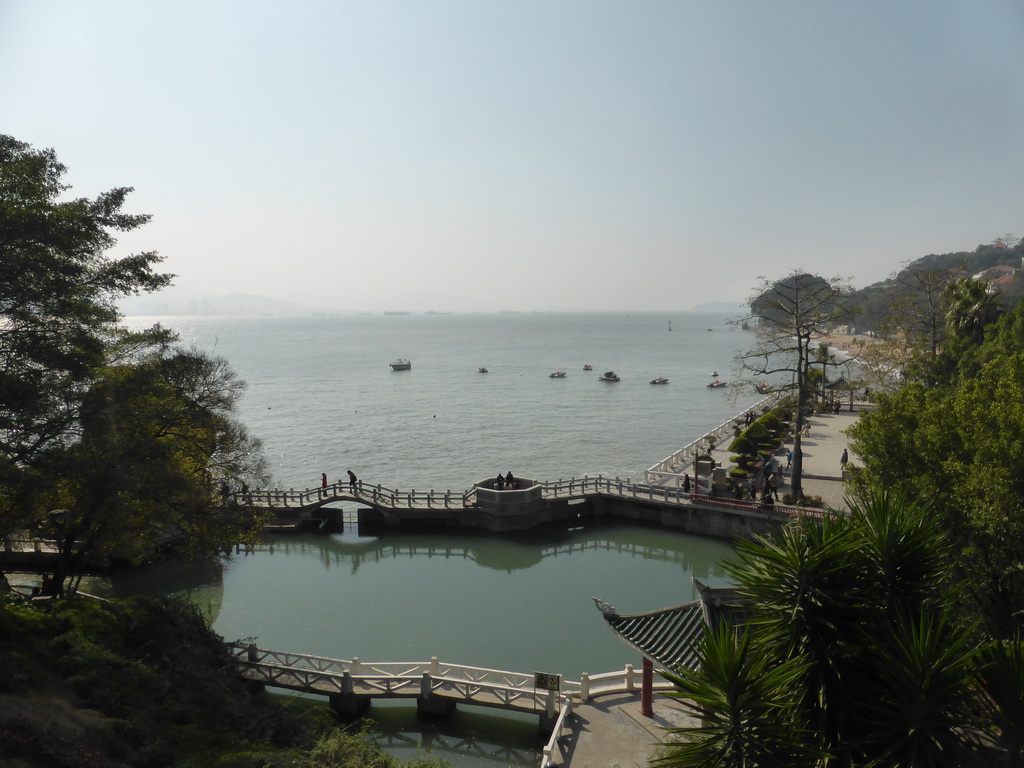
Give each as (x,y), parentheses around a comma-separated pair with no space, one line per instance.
(872,302)
(183,303)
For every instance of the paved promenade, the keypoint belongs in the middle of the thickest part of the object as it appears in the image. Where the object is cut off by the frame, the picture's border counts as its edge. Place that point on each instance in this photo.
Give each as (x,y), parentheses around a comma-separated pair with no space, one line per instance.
(610,731)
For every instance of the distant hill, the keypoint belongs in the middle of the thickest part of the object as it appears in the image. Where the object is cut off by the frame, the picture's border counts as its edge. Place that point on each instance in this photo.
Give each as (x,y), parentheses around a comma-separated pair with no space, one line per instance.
(872,302)
(721,308)
(175,302)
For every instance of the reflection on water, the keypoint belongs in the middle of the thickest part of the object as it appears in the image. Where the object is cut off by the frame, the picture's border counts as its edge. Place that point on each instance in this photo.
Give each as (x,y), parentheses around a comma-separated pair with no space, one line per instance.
(468,736)
(350,550)
(518,603)
(521,603)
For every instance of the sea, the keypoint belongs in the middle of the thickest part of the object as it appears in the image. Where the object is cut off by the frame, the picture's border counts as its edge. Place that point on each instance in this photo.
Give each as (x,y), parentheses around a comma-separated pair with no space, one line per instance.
(323,398)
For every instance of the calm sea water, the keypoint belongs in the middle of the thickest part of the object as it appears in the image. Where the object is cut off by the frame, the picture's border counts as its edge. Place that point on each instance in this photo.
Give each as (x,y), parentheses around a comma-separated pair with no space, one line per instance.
(323,398)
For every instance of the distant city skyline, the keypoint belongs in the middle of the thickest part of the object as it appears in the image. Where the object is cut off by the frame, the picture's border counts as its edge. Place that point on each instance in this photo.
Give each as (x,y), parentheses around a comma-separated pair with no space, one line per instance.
(533,156)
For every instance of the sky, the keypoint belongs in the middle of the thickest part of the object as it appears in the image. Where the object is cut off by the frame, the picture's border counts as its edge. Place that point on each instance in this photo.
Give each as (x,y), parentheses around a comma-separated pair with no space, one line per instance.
(529,155)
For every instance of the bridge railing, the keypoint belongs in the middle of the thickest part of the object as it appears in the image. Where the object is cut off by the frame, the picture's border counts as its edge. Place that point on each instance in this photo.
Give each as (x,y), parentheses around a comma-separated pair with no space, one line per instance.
(508,686)
(502,688)
(372,494)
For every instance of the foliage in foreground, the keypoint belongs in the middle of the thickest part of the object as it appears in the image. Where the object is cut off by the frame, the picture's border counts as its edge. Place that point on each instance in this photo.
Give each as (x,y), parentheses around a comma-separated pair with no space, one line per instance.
(852,655)
(952,435)
(112,443)
(142,682)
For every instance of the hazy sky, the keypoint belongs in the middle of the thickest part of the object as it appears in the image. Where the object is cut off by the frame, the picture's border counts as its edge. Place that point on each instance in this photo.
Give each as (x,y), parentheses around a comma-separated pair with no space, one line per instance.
(529,154)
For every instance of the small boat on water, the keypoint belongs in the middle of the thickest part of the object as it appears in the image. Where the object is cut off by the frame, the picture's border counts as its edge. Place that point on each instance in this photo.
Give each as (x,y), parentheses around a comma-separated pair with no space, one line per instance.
(659,380)
(715,374)
(401,365)
(557,375)
(588,367)
(716,384)
(609,376)
(481,370)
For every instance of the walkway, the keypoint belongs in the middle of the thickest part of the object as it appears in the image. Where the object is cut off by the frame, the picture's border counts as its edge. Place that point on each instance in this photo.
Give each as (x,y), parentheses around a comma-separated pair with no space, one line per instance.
(609,730)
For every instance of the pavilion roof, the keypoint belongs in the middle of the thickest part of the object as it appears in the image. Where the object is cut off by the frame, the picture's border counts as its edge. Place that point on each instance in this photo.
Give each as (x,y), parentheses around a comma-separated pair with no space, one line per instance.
(669,636)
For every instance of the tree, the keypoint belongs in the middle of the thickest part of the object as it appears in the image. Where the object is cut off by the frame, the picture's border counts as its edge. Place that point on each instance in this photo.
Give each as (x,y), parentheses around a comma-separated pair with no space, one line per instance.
(57,305)
(112,442)
(958,446)
(851,644)
(790,315)
(971,307)
(914,323)
(158,443)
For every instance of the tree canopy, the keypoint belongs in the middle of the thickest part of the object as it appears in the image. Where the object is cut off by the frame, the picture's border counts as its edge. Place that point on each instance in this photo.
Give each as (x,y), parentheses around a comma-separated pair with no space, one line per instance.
(790,316)
(951,435)
(110,441)
(850,654)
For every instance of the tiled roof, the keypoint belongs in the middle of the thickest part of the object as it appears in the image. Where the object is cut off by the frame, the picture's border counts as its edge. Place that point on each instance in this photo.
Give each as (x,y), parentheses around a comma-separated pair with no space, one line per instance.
(668,636)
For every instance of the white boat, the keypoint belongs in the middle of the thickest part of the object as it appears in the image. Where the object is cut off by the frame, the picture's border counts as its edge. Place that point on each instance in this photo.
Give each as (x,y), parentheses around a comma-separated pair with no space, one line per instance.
(659,380)
(557,375)
(609,376)
(401,365)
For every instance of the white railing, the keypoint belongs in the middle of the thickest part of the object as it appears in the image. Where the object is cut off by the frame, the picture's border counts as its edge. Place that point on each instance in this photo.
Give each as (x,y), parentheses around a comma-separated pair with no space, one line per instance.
(661,481)
(476,685)
(509,687)
(685,455)
(377,495)
(556,732)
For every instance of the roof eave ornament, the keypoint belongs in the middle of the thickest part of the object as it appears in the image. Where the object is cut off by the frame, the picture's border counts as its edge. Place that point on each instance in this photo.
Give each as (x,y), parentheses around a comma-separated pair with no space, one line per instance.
(606,608)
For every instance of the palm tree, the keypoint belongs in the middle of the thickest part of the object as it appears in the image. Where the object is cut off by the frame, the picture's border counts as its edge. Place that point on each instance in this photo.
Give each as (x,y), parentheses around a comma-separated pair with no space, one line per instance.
(850,645)
(970,308)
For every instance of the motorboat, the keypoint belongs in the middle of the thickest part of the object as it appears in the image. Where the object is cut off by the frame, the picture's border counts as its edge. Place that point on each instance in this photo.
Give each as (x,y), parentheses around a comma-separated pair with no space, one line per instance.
(401,365)
(659,380)
(716,384)
(481,370)
(715,374)
(557,375)
(609,376)
(588,367)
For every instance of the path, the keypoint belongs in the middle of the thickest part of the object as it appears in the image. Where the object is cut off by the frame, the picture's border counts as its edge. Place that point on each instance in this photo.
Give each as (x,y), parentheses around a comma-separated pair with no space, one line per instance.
(609,731)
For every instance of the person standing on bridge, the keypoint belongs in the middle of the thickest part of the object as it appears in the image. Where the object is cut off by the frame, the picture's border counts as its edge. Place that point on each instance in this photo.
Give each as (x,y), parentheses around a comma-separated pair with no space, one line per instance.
(352,480)
(323,479)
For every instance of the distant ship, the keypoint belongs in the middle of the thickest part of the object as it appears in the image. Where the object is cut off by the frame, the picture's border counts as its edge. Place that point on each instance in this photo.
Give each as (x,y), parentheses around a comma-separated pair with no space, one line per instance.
(401,365)
(396,313)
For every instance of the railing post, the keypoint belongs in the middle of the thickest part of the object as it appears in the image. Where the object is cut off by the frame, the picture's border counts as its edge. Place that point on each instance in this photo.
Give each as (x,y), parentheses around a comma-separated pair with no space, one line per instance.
(585,687)
(549,705)
(425,686)
(347,685)
(355,665)
(447,498)
(435,666)
(630,678)
(250,653)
